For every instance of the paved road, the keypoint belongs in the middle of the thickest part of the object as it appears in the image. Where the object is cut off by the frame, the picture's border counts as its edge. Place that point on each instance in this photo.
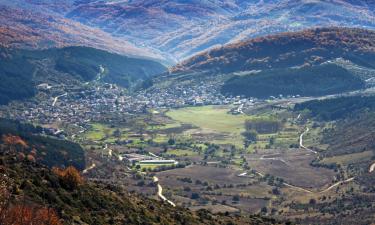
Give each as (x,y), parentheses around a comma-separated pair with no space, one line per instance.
(160,192)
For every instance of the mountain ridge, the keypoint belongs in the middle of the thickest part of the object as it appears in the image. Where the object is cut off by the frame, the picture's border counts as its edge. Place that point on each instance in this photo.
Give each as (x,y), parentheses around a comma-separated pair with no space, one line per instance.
(174,30)
(318,40)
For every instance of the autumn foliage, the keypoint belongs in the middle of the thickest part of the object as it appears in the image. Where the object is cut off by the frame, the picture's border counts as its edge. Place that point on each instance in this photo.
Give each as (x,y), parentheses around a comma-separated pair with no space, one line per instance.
(69,177)
(13,141)
(26,215)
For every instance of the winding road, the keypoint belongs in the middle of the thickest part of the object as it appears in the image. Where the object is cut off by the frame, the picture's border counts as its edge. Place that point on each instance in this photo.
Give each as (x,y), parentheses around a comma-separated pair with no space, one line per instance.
(306,190)
(160,192)
(301,142)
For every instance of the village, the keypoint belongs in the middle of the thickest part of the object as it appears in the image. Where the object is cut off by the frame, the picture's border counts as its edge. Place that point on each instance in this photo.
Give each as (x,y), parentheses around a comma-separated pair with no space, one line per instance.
(80,105)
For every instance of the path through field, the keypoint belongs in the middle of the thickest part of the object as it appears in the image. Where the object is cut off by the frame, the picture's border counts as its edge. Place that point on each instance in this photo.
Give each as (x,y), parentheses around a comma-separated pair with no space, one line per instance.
(301,142)
(160,192)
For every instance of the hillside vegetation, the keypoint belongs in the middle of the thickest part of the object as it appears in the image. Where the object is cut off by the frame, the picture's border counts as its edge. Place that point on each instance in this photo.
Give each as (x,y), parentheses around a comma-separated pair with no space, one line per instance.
(33,143)
(306,81)
(337,108)
(284,50)
(20,70)
(16,77)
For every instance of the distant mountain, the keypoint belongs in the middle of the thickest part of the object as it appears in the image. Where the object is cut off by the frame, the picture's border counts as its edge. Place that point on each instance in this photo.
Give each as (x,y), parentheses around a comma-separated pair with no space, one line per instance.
(303,63)
(39,28)
(21,70)
(177,29)
(183,28)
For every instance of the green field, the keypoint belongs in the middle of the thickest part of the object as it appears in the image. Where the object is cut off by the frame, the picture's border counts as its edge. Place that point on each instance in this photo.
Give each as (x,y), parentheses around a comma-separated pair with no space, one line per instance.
(214,118)
(98,132)
(181,152)
(153,166)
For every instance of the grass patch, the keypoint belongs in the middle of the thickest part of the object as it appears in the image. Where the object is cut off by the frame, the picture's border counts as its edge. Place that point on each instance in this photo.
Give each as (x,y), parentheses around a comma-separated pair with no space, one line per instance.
(212,118)
(181,152)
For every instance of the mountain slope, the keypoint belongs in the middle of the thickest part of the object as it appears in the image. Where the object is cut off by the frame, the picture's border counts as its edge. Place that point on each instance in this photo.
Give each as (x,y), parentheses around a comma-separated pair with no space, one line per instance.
(183,28)
(22,70)
(308,81)
(40,145)
(311,62)
(177,29)
(37,28)
(311,46)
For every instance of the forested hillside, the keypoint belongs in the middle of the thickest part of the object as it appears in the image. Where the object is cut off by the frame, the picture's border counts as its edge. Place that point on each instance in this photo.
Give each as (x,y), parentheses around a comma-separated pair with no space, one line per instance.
(306,81)
(33,143)
(338,108)
(308,47)
(19,69)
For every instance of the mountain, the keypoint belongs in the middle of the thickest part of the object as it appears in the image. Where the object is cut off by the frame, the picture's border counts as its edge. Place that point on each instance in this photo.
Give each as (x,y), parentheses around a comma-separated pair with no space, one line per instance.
(295,63)
(312,46)
(183,28)
(173,30)
(33,28)
(21,70)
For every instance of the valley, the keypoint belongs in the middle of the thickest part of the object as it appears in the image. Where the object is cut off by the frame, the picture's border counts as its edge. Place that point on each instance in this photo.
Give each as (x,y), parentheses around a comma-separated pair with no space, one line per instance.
(196,156)
(187,112)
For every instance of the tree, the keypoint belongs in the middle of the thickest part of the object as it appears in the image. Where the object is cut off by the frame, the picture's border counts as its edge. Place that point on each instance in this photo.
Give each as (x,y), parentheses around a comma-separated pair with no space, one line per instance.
(13,141)
(22,214)
(195,196)
(69,177)
(250,137)
(236,198)
(312,201)
(171,141)
(275,191)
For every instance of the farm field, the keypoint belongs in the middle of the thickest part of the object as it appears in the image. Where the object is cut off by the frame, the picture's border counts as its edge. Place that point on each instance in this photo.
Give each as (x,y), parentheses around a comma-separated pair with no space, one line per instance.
(210,174)
(293,166)
(213,123)
(212,118)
